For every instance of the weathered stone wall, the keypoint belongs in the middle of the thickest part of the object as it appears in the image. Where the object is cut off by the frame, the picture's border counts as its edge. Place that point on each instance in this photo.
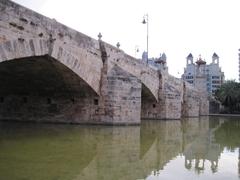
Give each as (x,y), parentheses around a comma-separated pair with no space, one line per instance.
(25,33)
(118,88)
(120,100)
(169,104)
(123,97)
(204,104)
(172,97)
(42,89)
(201,86)
(191,101)
(148,76)
(150,108)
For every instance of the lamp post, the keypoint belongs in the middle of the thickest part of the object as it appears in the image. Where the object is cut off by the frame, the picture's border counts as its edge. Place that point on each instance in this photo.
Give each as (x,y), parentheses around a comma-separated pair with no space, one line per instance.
(145,21)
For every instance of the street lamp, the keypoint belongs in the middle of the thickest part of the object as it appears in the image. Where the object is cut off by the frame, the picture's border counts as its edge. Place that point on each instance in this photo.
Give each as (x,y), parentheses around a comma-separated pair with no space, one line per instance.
(145,21)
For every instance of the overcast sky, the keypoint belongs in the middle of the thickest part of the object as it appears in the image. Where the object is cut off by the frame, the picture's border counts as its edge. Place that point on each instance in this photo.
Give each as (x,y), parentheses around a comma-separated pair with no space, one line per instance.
(176,27)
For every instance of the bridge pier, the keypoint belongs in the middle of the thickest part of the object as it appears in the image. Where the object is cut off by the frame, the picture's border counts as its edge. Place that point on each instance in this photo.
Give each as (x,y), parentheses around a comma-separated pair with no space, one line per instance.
(169,101)
(191,101)
(204,105)
(120,94)
(120,99)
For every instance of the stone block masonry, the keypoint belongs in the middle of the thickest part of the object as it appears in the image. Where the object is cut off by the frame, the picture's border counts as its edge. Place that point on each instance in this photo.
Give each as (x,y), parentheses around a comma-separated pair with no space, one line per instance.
(170,102)
(123,99)
(191,101)
(52,73)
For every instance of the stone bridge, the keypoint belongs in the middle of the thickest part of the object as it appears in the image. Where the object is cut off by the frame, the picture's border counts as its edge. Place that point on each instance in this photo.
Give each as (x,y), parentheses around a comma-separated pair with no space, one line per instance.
(50,72)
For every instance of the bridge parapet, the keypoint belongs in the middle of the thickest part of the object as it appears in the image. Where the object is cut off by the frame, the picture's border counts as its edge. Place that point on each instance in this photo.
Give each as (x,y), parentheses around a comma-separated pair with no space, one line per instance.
(21,21)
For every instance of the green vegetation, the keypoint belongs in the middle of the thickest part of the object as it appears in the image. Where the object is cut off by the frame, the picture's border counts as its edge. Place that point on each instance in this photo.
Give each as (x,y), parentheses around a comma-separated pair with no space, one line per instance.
(229,96)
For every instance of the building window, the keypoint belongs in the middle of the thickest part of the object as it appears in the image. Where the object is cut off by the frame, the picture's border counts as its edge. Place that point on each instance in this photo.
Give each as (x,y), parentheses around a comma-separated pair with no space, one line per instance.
(215,77)
(1,99)
(189,77)
(216,86)
(215,82)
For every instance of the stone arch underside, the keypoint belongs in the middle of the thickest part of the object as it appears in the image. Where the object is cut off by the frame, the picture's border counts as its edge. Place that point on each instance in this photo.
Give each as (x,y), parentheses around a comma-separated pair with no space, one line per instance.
(147,75)
(150,106)
(79,60)
(37,87)
(150,82)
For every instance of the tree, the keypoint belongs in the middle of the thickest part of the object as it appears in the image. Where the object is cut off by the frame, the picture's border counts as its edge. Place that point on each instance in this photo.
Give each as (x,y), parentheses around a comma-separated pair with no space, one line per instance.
(229,96)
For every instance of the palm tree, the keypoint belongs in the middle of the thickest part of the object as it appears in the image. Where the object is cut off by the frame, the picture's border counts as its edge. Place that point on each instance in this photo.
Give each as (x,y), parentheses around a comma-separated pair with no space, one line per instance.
(229,96)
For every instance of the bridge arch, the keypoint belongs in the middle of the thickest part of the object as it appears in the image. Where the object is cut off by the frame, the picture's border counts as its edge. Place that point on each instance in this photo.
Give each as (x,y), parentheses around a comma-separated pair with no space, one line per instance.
(41,82)
(147,75)
(150,86)
(80,61)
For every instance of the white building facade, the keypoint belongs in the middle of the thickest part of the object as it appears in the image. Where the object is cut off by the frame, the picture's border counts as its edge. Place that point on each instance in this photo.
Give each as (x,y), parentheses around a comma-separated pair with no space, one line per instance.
(159,63)
(211,75)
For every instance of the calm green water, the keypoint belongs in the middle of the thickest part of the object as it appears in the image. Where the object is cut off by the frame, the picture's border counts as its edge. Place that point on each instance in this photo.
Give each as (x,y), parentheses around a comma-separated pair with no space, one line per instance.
(206,148)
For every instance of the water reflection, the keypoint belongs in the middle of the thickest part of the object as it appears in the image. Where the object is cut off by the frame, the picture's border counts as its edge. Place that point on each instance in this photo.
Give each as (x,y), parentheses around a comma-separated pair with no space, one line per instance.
(44,151)
(199,144)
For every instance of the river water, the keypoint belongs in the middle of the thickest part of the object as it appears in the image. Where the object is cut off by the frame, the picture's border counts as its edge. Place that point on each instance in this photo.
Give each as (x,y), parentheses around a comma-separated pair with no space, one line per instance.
(198,148)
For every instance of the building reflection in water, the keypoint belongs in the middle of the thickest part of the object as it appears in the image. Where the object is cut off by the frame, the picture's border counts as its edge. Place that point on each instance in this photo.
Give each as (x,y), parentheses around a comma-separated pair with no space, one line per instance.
(115,152)
(199,141)
(199,144)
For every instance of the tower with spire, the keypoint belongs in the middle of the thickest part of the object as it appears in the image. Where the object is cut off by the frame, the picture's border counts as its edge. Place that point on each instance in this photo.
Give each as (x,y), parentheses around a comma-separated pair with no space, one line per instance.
(205,77)
(189,59)
(215,59)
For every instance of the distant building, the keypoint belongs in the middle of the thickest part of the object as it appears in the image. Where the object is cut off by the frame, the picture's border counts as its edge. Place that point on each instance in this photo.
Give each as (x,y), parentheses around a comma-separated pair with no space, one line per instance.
(206,77)
(159,63)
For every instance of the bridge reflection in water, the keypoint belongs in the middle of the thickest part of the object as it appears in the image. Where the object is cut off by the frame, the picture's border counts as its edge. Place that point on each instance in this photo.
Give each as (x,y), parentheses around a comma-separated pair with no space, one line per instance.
(170,149)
